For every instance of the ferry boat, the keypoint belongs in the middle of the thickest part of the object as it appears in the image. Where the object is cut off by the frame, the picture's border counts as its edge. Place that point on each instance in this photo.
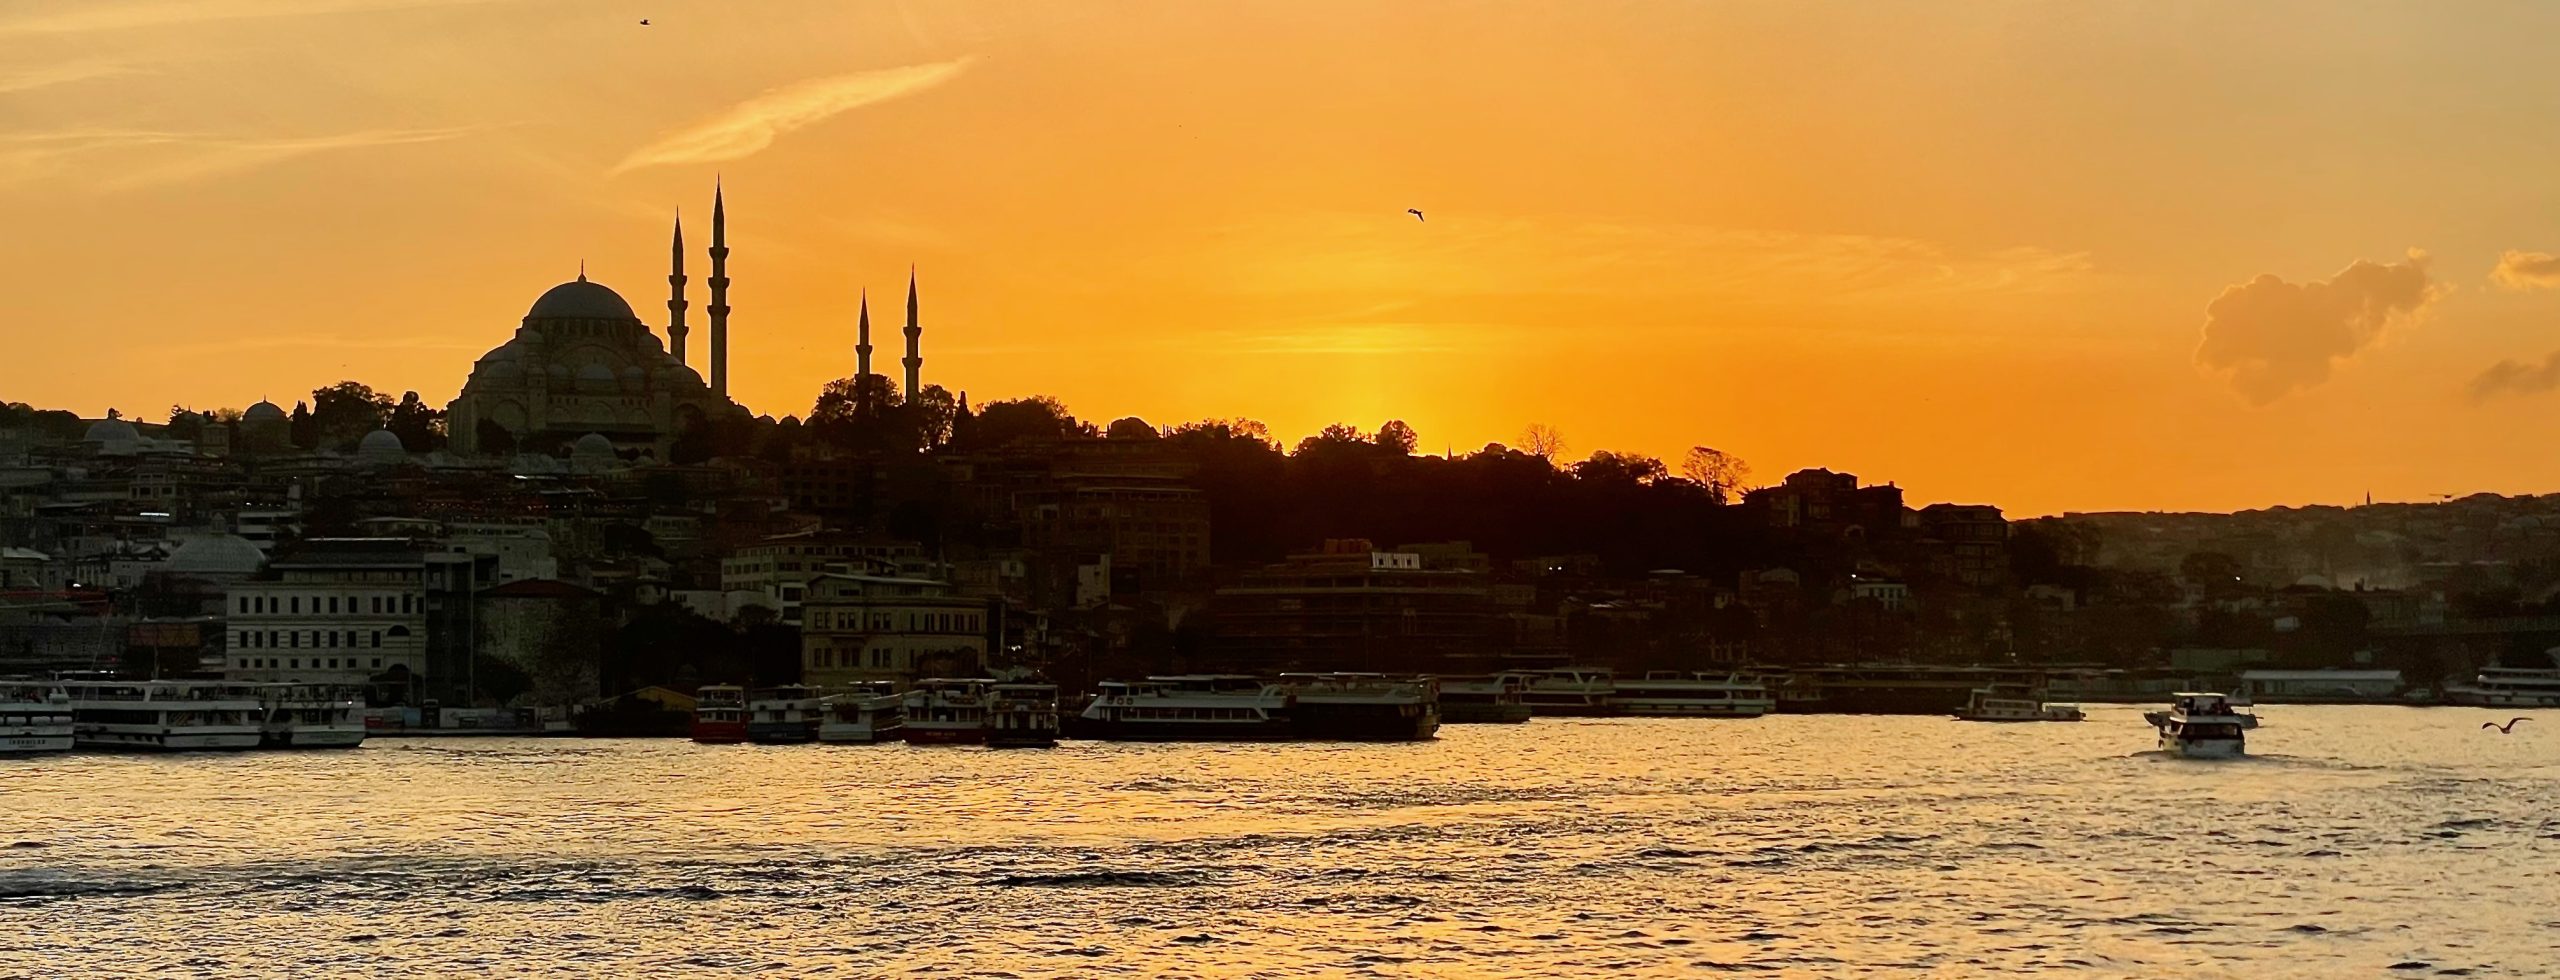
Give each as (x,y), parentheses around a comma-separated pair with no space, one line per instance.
(310,716)
(1022,715)
(1360,707)
(786,715)
(1891,688)
(946,711)
(2203,726)
(720,714)
(2239,704)
(866,713)
(1671,694)
(2015,702)
(34,717)
(2508,687)
(1490,699)
(1186,708)
(1570,692)
(165,715)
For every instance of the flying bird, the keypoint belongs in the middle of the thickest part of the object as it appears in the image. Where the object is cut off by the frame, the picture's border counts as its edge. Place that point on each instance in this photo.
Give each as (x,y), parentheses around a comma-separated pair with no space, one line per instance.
(2507,729)
(1415,212)
(644,22)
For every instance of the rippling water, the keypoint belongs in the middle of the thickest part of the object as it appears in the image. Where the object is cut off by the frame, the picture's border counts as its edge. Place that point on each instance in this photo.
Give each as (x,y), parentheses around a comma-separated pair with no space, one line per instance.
(2359,841)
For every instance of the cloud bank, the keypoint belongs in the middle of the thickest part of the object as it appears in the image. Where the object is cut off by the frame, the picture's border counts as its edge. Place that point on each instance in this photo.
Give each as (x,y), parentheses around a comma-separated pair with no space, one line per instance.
(2275,337)
(2527,270)
(748,127)
(2516,378)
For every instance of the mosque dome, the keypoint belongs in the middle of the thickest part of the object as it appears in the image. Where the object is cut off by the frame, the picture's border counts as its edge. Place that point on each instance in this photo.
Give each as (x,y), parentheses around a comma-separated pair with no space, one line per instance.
(381,446)
(217,554)
(112,431)
(591,446)
(580,299)
(263,411)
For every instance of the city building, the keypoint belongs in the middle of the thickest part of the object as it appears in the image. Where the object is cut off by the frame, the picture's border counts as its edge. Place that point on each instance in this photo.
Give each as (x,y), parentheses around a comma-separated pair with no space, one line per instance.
(782,565)
(1352,606)
(873,627)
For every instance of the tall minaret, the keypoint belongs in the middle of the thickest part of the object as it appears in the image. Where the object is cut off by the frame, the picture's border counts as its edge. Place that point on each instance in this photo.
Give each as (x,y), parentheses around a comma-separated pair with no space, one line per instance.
(862,345)
(915,356)
(719,294)
(675,296)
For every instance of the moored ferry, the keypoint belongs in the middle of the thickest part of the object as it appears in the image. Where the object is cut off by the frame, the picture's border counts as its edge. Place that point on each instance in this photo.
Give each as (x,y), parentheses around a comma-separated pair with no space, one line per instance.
(946,711)
(1358,707)
(1488,699)
(2203,726)
(2508,687)
(869,711)
(2014,702)
(165,715)
(720,714)
(1570,692)
(34,717)
(783,715)
(310,716)
(1670,694)
(1022,715)
(1186,708)
(1891,688)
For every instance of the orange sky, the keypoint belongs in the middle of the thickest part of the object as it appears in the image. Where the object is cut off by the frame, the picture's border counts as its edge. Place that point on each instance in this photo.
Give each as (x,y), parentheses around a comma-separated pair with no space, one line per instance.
(1969,248)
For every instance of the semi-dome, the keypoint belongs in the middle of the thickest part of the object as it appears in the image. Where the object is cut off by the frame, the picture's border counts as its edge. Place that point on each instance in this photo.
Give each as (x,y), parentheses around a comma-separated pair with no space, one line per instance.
(217,554)
(580,299)
(263,411)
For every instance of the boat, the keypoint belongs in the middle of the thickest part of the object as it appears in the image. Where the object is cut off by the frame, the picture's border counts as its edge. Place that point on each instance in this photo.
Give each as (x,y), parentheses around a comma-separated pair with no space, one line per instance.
(1186,708)
(1570,692)
(1022,715)
(310,716)
(1672,694)
(2015,702)
(166,716)
(1362,707)
(946,711)
(2203,726)
(2239,704)
(2508,687)
(34,717)
(1891,688)
(786,715)
(867,712)
(720,714)
(1485,699)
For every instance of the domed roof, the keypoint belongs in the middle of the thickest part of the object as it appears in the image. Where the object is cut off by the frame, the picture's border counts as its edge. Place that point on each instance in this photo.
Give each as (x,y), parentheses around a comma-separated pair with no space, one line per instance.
(111,430)
(217,554)
(381,446)
(581,300)
(263,411)
(591,446)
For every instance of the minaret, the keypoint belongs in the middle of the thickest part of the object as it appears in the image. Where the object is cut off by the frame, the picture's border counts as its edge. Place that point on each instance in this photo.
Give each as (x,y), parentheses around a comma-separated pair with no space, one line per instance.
(719,294)
(862,345)
(915,356)
(675,296)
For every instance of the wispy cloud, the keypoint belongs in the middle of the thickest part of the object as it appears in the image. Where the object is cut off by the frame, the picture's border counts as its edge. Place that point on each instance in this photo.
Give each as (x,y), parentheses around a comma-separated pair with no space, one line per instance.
(66,73)
(748,127)
(2515,378)
(128,159)
(2275,337)
(2526,270)
(92,16)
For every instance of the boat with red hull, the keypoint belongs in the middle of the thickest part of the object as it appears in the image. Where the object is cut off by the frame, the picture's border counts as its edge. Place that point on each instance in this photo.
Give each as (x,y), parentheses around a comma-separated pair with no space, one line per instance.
(720,714)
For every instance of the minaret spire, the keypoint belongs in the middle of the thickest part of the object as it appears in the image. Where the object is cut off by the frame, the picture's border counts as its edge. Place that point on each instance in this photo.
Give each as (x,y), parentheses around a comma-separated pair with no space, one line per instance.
(719,307)
(915,354)
(676,329)
(862,342)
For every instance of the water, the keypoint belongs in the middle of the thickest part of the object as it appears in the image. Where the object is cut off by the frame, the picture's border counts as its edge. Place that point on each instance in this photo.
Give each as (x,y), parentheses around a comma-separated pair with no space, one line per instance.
(2358,842)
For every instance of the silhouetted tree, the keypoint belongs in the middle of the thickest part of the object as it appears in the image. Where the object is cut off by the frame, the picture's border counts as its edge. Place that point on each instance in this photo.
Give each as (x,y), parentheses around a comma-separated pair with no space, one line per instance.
(1039,418)
(1724,476)
(1606,467)
(1397,437)
(420,428)
(302,428)
(1543,441)
(342,413)
(1131,427)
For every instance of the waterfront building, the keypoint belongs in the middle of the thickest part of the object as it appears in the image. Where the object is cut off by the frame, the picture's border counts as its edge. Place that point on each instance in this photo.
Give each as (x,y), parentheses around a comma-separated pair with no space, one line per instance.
(875,628)
(1352,606)
(783,565)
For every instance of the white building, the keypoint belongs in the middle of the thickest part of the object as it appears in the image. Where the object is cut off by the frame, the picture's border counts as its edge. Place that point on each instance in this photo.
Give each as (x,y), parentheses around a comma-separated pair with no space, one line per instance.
(869,627)
(343,620)
(781,566)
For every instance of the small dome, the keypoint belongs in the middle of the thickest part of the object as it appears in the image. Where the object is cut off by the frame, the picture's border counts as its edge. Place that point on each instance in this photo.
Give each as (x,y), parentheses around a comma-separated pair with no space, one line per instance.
(217,554)
(591,446)
(581,300)
(595,377)
(263,411)
(112,432)
(381,446)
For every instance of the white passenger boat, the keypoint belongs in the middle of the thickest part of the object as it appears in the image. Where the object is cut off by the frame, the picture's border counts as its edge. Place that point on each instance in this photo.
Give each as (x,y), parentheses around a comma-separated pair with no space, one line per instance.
(35,716)
(1362,707)
(1570,691)
(783,715)
(2203,726)
(1022,715)
(2015,702)
(946,711)
(720,714)
(1186,708)
(2508,687)
(1484,699)
(165,715)
(867,712)
(309,716)
(1673,694)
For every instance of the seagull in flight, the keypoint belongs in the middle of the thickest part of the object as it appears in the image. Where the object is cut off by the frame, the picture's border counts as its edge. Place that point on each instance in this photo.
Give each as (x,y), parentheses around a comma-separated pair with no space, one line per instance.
(644,22)
(1415,212)
(2507,729)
